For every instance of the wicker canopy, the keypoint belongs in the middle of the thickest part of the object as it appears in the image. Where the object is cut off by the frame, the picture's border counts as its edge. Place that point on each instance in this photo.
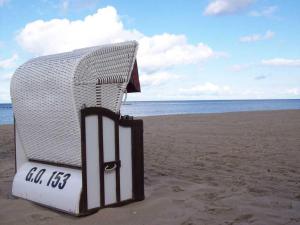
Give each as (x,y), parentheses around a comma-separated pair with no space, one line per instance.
(48,93)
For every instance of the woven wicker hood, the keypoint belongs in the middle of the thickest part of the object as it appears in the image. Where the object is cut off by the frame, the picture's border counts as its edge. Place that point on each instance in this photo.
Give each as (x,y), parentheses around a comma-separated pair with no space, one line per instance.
(49,91)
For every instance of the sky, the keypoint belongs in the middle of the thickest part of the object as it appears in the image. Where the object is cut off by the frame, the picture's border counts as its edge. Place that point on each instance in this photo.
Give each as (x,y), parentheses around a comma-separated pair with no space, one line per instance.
(188,50)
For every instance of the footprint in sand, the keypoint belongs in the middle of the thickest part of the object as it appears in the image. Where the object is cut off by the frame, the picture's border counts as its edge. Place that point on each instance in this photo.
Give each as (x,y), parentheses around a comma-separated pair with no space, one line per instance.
(177,189)
(256,191)
(40,217)
(241,218)
(187,222)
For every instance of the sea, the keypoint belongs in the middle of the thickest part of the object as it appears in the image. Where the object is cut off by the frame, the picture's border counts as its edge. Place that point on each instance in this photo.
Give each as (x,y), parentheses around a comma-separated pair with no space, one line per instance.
(154,108)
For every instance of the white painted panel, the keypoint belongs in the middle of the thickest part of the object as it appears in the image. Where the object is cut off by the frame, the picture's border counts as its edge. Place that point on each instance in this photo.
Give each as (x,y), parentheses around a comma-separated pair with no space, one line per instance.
(108,139)
(92,161)
(126,163)
(109,155)
(65,195)
(110,187)
(20,153)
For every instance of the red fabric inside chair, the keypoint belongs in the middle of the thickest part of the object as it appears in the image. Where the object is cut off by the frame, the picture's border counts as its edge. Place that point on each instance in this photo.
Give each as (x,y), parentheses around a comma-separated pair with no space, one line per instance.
(134,83)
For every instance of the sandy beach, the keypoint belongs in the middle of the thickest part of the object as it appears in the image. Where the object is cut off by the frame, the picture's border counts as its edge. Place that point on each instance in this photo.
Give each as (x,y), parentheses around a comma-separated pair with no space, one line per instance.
(231,168)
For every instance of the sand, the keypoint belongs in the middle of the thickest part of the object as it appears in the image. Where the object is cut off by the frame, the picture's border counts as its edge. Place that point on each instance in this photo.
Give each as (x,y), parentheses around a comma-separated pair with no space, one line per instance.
(232,168)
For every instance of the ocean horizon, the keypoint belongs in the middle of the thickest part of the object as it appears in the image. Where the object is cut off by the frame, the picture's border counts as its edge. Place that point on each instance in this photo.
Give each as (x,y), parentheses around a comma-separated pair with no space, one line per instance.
(156,108)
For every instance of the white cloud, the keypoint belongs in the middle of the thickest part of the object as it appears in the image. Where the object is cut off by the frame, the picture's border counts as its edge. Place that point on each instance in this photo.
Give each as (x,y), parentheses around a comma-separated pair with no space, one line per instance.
(220,7)
(5,76)
(206,89)
(239,67)
(293,91)
(258,37)
(3,2)
(157,78)
(266,12)
(166,50)
(9,62)
(4,96)
(281,62)
(251,93)
(59,35)
(4,87)
(155,52)
(260,77)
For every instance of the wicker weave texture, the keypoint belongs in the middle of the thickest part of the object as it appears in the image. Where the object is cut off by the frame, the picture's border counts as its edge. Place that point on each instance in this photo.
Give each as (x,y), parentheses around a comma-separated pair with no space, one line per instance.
(49,91)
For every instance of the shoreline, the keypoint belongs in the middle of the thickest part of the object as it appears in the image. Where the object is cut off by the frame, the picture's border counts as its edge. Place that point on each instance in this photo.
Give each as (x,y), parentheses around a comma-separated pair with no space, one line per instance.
(218,113)
(203,114)
(215,168)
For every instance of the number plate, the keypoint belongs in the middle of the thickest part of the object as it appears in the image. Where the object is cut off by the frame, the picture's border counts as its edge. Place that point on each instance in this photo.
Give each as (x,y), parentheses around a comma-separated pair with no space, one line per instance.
(53,186)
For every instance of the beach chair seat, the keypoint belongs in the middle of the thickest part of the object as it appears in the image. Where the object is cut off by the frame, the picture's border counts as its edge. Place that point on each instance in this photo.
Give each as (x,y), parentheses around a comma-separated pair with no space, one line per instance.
(67,112)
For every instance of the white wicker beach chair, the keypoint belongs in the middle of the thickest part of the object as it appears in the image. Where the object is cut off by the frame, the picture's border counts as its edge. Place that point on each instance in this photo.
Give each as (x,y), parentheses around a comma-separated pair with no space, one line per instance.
(60,102)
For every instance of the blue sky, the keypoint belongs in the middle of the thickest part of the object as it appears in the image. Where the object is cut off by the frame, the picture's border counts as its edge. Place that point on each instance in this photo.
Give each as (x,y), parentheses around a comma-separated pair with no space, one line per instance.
(209,49)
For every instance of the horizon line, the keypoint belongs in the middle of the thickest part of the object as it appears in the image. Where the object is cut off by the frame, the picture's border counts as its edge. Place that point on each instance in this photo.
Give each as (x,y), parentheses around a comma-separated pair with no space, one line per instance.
(182,100)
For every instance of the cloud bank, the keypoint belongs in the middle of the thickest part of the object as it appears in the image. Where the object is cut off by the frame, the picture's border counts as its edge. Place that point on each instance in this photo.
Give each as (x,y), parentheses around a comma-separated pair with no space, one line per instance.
(281,62)
(293,91)
(155,53)
(9,62)
(206,89)
(158,78)
(221,7)
(266,12)
(258,37)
